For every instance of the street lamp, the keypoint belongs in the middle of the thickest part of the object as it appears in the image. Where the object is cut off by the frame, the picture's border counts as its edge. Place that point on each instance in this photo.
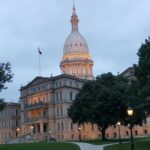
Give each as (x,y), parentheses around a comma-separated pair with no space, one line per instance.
(130,114)
(18,130)
(119,124)
(31,128)
(79,133)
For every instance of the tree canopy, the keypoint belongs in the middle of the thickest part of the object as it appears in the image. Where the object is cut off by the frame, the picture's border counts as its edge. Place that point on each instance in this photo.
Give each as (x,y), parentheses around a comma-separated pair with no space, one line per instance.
(5,75)
(142,73)
(102,101)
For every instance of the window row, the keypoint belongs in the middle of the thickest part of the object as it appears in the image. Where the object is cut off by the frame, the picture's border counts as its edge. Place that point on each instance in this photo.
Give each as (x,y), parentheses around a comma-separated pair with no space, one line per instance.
(67,83)
(7,113)
(59,96)
(37,100)
(127,133)
(59,112)
(9,123)
(36,89)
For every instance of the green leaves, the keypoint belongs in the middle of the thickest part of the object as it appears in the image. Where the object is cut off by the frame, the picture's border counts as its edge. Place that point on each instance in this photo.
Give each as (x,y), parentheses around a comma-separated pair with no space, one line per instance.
(142,73)
(5,75)
(102,101)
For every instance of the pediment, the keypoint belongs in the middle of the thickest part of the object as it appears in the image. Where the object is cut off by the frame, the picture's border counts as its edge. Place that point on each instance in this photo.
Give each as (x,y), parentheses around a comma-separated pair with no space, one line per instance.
(37,80)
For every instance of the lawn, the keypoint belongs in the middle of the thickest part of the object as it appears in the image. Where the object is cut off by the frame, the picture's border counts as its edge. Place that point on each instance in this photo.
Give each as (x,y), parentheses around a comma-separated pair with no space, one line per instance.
(40,146)
(109,141)
(139,145)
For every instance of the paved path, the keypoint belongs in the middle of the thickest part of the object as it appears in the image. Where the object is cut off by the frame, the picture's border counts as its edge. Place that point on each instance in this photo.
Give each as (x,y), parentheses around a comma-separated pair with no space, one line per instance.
(86,146)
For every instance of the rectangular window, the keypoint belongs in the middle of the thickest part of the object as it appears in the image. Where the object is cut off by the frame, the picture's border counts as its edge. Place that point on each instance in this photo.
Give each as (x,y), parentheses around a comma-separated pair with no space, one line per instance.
(127,133)
(136,132)
(16,112)
(61,112)
(57,97)
(57,112)
(16,123)
(60,96)
(145,131)
(92,127)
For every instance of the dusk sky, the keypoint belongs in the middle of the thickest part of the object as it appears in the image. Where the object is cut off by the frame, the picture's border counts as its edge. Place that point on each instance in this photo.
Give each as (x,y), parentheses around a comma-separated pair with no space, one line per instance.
(114,31)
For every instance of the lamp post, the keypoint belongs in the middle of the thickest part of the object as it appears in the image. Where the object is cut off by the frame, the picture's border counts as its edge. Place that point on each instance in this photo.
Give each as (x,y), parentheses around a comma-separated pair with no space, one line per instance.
(130,114)
(79,129)
(31,128)
(119,124)
(18,130)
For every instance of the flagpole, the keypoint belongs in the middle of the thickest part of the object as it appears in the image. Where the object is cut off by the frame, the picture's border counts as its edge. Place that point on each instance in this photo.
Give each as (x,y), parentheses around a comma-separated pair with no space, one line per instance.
(39,51)
(39,65)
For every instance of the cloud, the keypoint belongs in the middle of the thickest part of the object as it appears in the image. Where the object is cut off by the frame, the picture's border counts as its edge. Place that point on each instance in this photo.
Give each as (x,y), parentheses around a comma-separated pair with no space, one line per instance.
(114,31)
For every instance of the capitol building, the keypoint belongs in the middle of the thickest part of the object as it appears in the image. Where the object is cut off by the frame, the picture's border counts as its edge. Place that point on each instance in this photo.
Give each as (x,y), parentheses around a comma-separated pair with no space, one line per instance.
(42,111)
(45,101)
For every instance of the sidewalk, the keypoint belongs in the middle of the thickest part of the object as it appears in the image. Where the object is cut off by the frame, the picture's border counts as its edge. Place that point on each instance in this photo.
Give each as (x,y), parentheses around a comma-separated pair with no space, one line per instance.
(86,146)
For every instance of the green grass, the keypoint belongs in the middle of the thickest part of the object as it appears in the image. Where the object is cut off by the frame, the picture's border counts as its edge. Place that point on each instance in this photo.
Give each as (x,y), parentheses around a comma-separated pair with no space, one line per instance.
(40,146)
(109,141)
(139,145)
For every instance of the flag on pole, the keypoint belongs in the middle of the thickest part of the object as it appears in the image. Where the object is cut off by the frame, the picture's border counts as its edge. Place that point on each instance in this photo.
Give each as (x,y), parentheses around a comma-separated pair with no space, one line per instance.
(40,52)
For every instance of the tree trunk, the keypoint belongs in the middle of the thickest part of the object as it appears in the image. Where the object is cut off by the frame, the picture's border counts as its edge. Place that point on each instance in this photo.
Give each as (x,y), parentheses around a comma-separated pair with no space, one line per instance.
(103,133)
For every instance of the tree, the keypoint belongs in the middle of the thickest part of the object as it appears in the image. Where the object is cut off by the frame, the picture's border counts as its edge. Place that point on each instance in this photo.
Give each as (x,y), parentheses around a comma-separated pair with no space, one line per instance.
(135,102)
(142,73)
(102,101)
(5,76)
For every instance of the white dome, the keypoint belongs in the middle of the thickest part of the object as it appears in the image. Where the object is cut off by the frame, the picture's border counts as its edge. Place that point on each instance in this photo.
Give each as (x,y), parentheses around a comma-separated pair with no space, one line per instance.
(75,43)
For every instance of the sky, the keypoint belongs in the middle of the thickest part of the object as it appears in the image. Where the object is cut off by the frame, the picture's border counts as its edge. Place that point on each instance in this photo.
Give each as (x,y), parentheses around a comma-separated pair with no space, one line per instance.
(114,31)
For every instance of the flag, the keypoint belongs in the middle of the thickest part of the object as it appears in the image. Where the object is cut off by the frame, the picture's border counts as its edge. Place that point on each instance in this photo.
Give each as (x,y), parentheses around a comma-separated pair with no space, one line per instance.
(39,51)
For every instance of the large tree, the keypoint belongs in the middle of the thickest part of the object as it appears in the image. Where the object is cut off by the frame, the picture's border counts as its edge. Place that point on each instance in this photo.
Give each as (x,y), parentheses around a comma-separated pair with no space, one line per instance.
(142,73)
(102,101)
(5,76)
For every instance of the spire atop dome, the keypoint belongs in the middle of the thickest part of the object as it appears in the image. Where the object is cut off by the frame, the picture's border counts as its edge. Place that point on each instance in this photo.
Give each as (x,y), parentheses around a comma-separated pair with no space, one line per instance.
(74,19)
(74,9)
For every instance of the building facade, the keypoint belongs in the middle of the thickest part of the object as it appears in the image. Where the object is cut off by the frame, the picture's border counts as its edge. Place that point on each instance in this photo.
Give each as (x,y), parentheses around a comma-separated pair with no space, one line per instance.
(9,122)
(45,101)
(44,106)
